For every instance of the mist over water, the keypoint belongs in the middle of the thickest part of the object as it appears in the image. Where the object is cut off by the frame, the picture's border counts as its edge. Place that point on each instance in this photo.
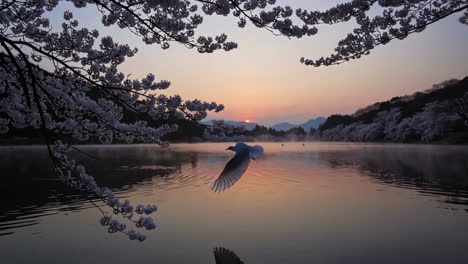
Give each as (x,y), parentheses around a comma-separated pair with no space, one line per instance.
(317,203)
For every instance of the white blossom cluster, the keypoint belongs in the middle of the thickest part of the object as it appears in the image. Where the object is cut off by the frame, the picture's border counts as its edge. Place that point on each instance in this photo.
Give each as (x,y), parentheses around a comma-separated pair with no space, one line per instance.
(75,176)
(261,13)
(428,125)
(398,19)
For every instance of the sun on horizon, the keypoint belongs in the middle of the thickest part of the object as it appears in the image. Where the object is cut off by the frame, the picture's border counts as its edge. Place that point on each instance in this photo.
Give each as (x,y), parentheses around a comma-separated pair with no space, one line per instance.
(247,121)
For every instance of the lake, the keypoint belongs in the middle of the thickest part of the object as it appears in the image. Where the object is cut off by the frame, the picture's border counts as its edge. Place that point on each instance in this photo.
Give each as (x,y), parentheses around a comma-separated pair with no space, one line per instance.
(311,203)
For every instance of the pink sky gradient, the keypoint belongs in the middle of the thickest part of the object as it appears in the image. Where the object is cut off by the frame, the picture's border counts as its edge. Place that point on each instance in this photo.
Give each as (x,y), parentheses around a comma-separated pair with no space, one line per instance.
(263,80)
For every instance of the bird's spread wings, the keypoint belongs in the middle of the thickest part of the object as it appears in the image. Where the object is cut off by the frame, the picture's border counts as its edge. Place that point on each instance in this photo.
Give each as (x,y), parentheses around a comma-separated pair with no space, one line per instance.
(226,256)
(232,172)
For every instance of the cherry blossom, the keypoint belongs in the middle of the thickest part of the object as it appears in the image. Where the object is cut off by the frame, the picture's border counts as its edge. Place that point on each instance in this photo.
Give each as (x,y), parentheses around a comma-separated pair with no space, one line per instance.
(64,80)
(397,20)
(428,125)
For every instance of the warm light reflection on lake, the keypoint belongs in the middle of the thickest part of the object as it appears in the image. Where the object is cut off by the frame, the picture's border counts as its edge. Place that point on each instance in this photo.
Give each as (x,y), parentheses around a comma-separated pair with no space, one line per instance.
(317,203)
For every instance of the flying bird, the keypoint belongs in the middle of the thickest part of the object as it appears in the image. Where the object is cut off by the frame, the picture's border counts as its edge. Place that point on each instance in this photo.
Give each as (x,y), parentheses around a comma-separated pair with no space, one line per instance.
(237,166)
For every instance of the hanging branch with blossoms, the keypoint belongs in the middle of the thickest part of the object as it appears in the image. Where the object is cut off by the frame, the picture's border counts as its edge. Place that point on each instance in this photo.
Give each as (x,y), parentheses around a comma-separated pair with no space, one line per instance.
(82,97)
(64,79)
(398,19)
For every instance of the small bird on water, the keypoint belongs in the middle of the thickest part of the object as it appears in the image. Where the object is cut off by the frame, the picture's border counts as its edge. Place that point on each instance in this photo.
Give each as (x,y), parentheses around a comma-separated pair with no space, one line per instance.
(237,166)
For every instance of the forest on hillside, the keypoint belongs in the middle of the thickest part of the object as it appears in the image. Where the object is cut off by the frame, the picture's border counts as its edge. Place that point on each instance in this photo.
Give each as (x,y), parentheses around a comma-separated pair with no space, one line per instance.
(439,114)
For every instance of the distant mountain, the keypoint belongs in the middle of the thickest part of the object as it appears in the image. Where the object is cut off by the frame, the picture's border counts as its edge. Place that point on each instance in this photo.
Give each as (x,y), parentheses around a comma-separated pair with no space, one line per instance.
(312,123)
(283,126)
(247,126)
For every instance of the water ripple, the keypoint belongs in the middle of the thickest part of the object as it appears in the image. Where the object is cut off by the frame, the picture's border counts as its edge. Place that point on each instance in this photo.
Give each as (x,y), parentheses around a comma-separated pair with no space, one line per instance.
(32,194)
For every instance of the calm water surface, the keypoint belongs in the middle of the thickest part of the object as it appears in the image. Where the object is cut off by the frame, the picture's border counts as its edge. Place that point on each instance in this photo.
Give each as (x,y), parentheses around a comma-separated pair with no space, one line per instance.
(318,203)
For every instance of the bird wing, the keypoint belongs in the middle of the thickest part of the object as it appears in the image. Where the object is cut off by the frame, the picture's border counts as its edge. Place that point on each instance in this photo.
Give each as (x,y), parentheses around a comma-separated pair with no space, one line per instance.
(256,152)
(232,172)
(226,256)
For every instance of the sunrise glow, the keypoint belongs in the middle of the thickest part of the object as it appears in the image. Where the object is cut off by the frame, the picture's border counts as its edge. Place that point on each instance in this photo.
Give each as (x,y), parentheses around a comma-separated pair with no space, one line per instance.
(247,121)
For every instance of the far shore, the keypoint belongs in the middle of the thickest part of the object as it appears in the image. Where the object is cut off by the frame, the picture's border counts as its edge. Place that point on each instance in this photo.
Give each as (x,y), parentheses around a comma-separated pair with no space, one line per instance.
(23,141)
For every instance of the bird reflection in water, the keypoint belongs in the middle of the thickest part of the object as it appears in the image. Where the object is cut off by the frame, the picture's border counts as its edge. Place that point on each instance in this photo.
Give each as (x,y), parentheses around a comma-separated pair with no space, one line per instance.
(237,166)
(226,256)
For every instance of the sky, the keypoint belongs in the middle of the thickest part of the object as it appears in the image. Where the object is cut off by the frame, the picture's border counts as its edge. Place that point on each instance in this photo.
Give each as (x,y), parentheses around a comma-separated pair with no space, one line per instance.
(263,81)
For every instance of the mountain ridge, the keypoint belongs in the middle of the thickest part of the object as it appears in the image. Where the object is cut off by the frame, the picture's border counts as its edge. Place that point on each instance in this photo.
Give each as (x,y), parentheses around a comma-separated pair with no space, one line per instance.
(283,126)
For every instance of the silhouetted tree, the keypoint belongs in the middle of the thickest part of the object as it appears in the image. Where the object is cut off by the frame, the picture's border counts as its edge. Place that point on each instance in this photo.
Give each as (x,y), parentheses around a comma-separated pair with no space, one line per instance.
(312,131)
(296,131)
(460,106)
